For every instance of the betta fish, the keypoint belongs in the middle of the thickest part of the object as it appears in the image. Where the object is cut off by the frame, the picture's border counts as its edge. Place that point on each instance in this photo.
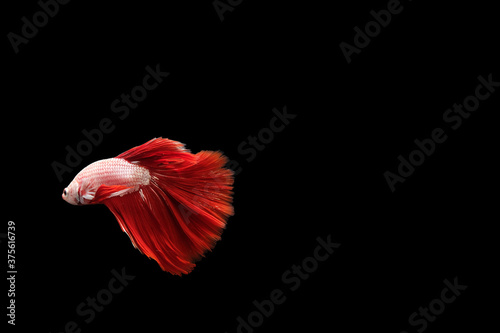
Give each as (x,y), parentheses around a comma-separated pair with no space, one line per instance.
(172,204)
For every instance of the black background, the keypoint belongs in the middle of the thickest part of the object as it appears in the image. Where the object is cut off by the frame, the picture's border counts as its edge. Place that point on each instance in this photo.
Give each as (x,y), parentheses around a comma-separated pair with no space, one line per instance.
(322,175)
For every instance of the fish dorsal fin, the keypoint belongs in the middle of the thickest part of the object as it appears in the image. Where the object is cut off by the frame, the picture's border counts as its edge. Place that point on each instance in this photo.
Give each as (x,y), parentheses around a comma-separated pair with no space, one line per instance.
(160,152)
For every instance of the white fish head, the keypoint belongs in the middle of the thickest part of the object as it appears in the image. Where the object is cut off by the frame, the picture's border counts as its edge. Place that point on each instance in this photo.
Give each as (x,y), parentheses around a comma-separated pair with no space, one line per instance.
(71,193)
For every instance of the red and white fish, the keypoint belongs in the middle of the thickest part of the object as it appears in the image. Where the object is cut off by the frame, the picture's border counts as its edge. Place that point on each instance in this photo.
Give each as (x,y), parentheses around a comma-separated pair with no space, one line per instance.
(172,204)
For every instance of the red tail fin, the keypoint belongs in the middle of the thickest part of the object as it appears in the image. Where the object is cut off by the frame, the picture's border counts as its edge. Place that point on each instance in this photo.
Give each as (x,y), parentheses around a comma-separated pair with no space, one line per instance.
(182,212)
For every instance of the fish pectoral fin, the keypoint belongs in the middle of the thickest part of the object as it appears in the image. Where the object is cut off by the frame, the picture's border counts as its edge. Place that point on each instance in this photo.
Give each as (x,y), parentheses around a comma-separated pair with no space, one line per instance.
(88,196)
(108,191)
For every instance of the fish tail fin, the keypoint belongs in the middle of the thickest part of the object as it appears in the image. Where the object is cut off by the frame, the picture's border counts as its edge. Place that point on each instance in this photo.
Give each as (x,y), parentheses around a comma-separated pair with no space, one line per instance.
(182,212)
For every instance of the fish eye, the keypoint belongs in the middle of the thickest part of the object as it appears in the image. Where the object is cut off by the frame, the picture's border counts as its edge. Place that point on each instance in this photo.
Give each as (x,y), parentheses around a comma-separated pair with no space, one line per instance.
(65,192)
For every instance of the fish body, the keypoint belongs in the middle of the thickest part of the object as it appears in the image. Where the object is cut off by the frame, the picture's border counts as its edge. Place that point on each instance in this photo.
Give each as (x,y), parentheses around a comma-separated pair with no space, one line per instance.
(172,204)
(108,172)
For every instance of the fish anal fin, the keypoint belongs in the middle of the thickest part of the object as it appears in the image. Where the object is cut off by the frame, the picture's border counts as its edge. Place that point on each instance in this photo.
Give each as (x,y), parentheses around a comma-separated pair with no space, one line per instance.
(155,238)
